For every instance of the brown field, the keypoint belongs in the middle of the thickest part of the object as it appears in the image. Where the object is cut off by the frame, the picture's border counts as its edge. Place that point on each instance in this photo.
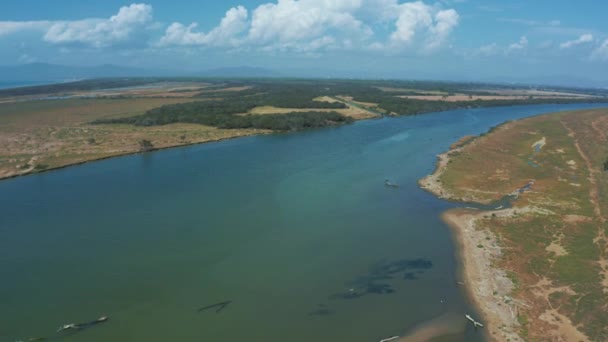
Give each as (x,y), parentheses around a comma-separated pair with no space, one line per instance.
(40,135)
(463,97)
(540,268)
(532,92)
(419,91)
(229,89)
(357,113)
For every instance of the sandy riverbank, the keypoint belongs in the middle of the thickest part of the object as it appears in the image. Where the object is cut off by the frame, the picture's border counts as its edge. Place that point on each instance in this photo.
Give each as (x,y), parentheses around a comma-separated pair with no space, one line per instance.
(487,285)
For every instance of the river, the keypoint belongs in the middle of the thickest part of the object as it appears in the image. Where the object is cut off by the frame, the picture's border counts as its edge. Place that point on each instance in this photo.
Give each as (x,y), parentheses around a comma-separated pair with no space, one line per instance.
(296,232)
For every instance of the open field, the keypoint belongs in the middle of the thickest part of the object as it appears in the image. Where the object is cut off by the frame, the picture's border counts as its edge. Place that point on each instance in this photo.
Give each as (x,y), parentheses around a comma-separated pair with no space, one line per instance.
(355,112)
(532,92)
(154,90)
(411,90)
(49,126)
(540,268)
(40,135)
(467,98)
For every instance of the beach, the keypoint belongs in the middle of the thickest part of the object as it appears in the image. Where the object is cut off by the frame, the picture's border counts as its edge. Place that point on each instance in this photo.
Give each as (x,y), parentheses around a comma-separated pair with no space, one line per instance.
(487,285)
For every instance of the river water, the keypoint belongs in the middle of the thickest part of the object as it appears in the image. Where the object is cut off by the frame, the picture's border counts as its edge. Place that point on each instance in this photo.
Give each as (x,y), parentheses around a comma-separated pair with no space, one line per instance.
(296,233)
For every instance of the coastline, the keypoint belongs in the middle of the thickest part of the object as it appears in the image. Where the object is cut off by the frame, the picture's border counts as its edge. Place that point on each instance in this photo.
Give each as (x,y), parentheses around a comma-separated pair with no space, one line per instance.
(129,153)
(487,286)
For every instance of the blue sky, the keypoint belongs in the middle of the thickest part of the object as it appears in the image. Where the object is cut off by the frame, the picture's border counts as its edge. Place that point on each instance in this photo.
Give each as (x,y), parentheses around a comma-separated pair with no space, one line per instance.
(443,39)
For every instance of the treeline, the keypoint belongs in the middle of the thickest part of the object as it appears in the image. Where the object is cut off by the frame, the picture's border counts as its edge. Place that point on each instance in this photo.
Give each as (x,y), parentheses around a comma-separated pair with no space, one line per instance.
(219,108)
(228,109)
(276,122)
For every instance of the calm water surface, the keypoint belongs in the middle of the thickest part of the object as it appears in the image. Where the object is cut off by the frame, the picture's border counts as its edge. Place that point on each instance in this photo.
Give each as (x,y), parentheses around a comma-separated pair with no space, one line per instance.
(296,230)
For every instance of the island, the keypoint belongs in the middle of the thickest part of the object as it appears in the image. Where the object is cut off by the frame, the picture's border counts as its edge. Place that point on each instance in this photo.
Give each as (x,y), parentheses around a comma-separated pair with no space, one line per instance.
(532,229)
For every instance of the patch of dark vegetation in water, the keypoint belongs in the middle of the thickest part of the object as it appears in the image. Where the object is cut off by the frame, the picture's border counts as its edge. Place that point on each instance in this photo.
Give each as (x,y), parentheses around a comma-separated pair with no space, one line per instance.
(321,310)
(382,275)
(219,307)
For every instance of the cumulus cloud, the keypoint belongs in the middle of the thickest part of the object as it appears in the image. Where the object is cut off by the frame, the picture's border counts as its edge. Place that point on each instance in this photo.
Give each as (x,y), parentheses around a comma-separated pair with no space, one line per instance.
(585,38)
(125,26)
(307,25)
(280,25)
(601,52)
(119,28)
(293,23)
(226,34)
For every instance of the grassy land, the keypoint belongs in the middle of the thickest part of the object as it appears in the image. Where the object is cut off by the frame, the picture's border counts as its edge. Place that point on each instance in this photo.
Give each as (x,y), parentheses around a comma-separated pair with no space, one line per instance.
(554,244)
(131,114)
(40,135)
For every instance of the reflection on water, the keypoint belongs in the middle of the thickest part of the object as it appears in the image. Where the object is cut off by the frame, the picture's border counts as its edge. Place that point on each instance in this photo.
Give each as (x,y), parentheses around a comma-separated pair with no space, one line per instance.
(283,235)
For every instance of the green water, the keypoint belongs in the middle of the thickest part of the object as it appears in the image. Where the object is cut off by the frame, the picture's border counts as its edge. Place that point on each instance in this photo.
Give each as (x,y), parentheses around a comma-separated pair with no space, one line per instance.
(284,226)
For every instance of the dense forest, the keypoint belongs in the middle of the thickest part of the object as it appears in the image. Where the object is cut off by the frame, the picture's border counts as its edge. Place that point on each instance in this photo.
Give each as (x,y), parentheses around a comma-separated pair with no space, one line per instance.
(220,108)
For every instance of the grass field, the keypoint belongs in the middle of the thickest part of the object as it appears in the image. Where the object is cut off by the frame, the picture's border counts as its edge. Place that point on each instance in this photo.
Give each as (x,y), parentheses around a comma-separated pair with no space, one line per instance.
(41,135)
(554,245)
(357,111)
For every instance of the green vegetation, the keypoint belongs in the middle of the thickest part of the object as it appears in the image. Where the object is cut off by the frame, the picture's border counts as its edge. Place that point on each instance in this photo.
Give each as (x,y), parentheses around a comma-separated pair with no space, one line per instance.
(219,105)
(145,145)
(555,241)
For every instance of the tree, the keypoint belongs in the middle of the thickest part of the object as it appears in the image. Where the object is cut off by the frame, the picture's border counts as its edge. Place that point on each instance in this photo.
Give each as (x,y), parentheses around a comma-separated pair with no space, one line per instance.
(145,145)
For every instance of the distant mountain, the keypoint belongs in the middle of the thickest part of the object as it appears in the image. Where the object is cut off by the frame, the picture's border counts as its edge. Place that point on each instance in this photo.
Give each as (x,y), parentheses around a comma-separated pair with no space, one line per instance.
(49,73)
(42,72)
(552,80)
(242,71)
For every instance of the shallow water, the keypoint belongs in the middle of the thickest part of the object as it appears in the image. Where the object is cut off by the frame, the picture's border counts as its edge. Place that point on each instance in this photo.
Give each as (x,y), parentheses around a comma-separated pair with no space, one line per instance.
(296,231)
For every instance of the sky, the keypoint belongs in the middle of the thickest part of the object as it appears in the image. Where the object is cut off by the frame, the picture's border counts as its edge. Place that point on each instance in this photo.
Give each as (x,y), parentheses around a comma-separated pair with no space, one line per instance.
(479,40)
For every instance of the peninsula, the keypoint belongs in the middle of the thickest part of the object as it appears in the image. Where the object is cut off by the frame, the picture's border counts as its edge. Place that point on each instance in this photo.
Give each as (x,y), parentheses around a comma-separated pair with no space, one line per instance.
(535,250)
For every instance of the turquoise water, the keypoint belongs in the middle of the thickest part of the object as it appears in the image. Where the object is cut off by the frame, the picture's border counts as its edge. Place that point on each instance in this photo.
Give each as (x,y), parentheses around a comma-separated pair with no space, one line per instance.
(297,230)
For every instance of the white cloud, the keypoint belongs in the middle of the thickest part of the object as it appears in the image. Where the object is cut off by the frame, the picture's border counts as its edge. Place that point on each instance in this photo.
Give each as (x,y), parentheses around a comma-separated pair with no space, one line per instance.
(523,42)
(445,22)
(279,25)
(415,17)
(528,22)
(585,38)
(412,16)
(601,52)
(120,28)
(226,34)
(489,50)
(125,26)
(296,24)
(309,25)
(10,27)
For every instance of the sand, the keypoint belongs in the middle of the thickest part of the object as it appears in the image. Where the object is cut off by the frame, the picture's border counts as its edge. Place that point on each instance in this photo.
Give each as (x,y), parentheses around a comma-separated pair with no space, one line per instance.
(488,286)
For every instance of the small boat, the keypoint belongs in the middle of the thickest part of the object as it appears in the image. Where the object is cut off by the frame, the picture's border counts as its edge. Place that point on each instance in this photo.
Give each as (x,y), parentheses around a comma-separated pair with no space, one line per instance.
(389,339)
(475,323)
(389,184)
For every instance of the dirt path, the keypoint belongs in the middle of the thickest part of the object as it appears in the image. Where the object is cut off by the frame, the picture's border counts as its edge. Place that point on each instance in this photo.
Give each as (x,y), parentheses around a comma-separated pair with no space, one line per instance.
(594,197)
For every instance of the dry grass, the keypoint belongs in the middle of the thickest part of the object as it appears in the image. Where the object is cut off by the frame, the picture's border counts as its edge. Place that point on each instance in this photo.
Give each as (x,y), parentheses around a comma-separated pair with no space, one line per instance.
(357,113)
(40,135)
(555,235)
(532,92)
(465,98)
(410,90)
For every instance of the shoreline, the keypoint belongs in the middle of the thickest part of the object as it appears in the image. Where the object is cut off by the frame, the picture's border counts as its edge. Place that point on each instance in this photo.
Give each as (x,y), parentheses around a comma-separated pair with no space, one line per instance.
(488,287)
(125,154)
(428,182)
